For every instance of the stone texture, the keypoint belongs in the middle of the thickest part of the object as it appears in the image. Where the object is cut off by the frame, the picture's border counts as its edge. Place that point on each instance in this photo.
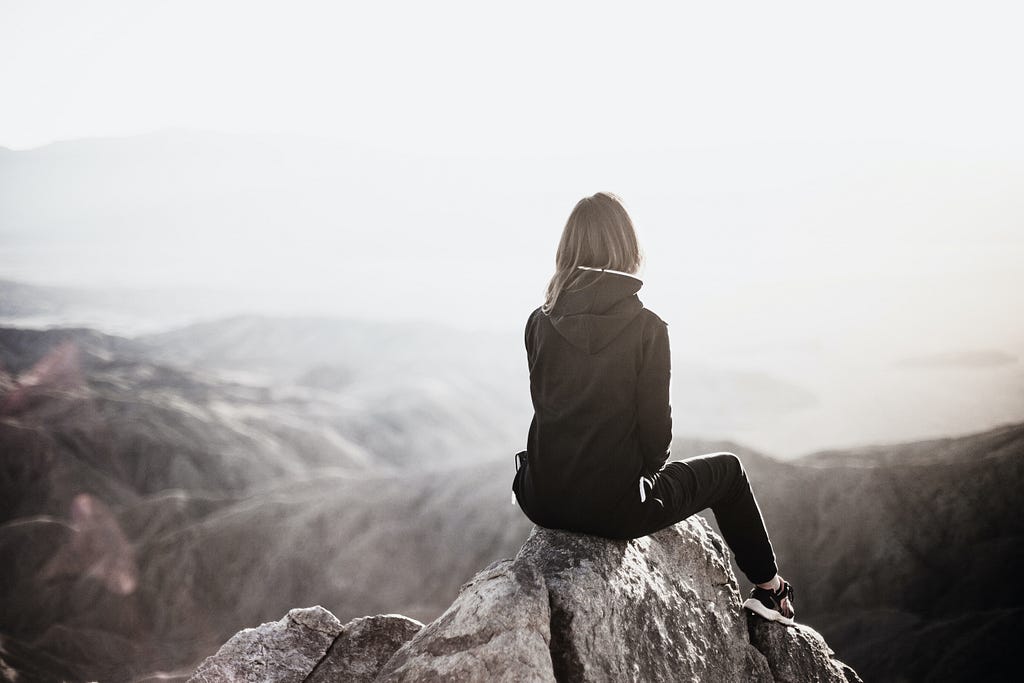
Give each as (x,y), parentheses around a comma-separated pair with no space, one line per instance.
(283,651)
(309,645)
(662,607)
(496,630)
(798,654)
(362,647)
(574,607)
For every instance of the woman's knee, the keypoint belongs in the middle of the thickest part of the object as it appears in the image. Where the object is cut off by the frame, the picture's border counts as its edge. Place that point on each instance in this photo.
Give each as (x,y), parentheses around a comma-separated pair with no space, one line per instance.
(732,464)
(729,459)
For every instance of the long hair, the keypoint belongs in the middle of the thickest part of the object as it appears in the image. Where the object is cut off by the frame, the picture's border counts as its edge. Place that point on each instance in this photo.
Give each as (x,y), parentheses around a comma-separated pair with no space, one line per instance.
(598,234)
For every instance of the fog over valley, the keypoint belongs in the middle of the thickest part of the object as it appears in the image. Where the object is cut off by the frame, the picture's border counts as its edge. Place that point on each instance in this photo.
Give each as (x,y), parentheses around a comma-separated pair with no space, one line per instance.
(805,286)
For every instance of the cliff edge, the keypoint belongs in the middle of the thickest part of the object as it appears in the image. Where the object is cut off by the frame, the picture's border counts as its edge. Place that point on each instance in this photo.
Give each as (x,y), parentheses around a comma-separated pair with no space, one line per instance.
(568,607)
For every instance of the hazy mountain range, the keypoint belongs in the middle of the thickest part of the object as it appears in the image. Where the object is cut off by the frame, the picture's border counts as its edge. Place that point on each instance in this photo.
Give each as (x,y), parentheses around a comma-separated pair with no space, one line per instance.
(854,294)
(162,492)
(315,352)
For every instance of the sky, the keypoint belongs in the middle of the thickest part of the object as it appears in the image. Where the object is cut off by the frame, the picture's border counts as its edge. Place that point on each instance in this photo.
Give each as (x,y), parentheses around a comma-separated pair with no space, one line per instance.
(517,78)
(833,141)
(823,190)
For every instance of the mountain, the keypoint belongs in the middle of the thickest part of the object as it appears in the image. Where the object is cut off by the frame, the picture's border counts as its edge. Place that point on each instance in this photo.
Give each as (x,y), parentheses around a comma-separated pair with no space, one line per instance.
(904,554)
(200,225)
(311,391)
(111,420)
(120,310)
(461,392)
(415,394)
(208,568)
(923,543)
(140,496)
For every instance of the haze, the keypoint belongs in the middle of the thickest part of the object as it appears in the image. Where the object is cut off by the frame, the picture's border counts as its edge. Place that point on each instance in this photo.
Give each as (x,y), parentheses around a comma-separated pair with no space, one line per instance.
(827,196)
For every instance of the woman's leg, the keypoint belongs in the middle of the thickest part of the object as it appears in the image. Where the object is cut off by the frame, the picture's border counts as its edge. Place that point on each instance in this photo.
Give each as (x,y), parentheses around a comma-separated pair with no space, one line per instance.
(719,481)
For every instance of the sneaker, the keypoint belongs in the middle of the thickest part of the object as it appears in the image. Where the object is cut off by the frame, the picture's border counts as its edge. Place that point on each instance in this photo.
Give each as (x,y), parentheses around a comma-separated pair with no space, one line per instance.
(768,603)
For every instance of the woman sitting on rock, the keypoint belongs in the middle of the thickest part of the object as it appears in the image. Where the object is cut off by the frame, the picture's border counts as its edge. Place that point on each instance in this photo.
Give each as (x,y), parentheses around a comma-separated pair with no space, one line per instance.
(596,453)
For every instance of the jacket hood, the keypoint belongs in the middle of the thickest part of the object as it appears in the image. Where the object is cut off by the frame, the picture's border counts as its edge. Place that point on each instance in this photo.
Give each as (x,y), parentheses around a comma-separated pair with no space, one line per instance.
(598,307)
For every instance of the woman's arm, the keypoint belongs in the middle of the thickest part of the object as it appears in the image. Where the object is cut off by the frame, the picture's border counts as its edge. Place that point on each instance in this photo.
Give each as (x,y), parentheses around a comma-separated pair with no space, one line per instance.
(654,412)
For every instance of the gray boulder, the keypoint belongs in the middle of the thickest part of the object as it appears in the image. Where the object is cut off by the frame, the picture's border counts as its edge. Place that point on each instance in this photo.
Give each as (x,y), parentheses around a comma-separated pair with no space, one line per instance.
(361,648)
(798,655)
(568,607)
(308,644)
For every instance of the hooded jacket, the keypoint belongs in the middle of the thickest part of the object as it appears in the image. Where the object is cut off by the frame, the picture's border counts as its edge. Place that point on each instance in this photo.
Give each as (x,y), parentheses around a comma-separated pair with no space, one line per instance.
(599,381)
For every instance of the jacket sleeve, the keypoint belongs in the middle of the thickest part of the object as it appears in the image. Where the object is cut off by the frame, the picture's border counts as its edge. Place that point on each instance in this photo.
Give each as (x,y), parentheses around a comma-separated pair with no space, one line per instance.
(654,410)
(528,338)
(531,335)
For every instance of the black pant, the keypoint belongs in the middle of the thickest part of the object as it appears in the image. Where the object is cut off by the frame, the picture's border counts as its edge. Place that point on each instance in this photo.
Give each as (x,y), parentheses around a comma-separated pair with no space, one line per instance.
(683,488)
(718,481)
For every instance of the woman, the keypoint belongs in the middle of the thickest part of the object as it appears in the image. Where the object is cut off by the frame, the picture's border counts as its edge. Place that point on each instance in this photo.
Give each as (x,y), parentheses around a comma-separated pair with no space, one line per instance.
(597,447)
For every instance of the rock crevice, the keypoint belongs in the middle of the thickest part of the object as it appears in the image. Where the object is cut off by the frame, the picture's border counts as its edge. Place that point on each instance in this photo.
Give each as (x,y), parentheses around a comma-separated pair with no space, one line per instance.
(565,661)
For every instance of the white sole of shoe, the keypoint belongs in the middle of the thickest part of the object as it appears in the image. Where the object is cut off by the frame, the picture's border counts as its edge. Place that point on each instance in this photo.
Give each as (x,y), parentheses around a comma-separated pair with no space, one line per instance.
(757,608)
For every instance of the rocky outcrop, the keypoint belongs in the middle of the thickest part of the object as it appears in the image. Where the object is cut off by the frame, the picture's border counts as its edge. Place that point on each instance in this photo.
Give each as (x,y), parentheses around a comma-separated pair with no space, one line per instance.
(361,648)
(568,607)
(797,655)
(309,644)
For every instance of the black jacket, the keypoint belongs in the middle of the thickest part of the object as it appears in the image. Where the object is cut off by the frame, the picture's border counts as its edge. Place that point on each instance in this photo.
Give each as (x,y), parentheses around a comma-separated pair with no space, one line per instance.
(599,379)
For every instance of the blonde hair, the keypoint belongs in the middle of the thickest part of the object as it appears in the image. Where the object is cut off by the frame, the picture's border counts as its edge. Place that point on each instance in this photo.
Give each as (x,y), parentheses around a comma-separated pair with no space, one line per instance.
(598,234)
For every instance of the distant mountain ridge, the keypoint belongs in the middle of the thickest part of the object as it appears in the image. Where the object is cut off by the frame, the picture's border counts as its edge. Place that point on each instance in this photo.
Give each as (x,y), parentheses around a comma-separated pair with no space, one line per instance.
(991,443)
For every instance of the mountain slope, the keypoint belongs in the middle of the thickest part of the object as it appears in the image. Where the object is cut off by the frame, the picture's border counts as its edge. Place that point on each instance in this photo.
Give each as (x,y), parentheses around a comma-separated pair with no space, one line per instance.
(904,555)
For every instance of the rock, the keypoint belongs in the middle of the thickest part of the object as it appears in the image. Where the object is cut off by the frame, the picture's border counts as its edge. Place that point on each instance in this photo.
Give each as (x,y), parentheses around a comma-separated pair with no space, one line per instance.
(308,644)
(574,607)
(798,654)
(283,651)
(496,630)
(362,647)
(568,607)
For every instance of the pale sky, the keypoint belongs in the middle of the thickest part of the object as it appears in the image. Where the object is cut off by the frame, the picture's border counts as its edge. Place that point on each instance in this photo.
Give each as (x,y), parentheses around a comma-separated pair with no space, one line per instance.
(801,144)
(523,77)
